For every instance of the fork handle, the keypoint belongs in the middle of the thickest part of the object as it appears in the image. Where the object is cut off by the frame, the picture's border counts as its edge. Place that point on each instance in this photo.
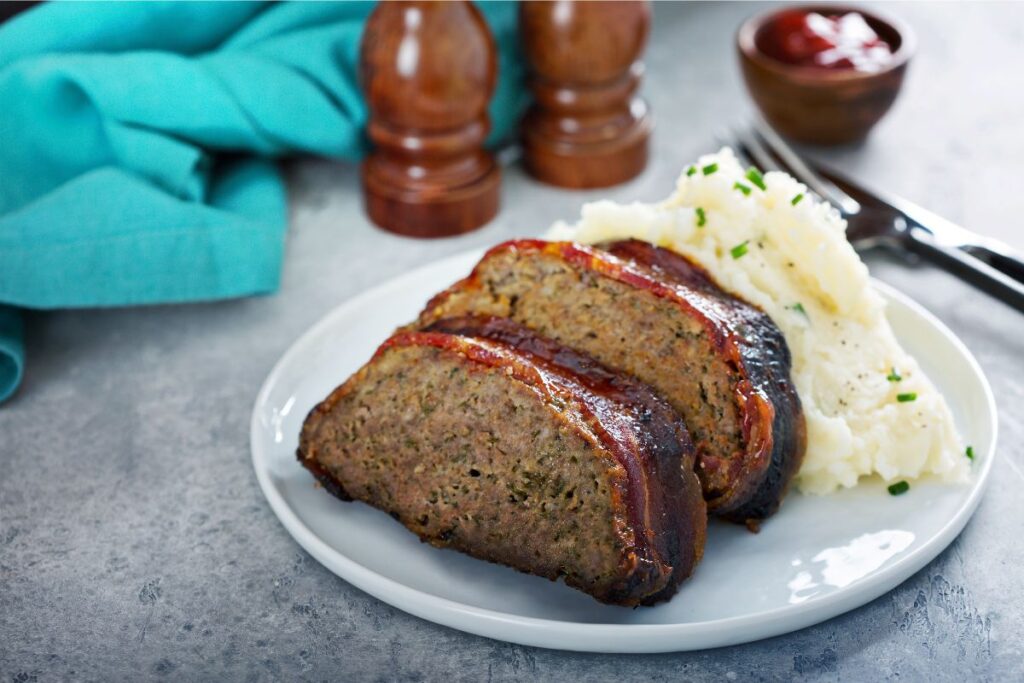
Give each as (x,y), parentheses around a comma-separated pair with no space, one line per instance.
(968,268)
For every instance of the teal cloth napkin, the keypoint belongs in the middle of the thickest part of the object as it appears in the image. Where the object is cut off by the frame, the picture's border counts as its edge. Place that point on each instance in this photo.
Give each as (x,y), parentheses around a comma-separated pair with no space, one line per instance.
(137,143)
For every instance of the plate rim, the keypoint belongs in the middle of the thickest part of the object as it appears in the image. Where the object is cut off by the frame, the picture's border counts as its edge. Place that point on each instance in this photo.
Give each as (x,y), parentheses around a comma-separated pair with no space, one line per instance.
(609,638)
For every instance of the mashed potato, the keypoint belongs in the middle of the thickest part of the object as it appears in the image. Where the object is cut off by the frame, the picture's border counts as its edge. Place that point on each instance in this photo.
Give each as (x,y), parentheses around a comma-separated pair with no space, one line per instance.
(791,258)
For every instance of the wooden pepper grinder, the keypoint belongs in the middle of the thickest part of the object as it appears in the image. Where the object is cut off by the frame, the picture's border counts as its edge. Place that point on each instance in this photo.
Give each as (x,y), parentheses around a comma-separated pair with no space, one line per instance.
(428,70)
(587,127)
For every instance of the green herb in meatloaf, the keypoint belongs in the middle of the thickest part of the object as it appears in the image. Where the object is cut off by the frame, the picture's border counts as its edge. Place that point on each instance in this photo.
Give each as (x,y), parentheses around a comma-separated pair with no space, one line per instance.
(521,483)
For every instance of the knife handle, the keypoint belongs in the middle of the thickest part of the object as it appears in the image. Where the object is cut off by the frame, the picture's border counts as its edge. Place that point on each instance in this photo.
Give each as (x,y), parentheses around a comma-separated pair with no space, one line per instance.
(968,268)
(999,256)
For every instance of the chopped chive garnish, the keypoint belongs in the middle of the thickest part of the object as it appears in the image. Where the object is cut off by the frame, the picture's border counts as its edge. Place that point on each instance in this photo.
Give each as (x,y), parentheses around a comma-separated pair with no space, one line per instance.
(740,249)
(709,169)
(899,488)
(745,189)
(970,452)
(701,217)
(799,308)
(894,375)
(754,176)
(690,171)
(907,397)
(797,199)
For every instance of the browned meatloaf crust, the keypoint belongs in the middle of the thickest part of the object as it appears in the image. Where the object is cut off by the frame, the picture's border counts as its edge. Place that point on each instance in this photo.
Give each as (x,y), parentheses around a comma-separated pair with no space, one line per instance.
(646,311)
(481,436)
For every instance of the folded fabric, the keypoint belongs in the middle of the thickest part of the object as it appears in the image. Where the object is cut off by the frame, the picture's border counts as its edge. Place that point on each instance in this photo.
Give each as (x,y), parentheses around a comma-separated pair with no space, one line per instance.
(137,139)
(12,351)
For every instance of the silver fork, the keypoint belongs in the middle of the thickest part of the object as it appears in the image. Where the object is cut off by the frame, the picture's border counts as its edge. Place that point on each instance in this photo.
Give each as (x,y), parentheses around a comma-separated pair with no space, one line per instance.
(876,219)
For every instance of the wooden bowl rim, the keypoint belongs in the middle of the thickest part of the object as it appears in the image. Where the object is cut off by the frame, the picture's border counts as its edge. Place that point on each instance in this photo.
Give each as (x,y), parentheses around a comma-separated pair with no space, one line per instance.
(810,74)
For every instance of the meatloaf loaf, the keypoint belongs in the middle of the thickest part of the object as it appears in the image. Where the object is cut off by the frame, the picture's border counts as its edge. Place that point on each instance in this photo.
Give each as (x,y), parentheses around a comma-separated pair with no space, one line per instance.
(651,313)
(479,435)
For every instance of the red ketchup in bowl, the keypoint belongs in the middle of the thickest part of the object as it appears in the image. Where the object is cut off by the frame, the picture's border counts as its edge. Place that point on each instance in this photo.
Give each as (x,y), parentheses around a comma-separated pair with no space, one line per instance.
(825,41)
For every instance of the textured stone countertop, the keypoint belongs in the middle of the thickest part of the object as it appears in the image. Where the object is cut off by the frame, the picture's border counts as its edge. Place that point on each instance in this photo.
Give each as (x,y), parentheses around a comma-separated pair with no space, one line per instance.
(135,542)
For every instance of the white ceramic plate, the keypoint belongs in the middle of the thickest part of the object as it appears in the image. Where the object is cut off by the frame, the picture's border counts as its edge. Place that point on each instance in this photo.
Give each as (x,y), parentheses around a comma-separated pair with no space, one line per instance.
(819,557)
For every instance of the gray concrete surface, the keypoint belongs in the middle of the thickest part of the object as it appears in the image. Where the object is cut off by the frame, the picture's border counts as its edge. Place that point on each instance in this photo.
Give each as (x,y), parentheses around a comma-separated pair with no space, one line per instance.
(135,543)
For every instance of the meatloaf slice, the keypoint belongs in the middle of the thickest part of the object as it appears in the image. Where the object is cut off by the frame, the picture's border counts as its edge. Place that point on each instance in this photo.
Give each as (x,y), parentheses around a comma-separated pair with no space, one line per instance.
(480,436)
(653,314)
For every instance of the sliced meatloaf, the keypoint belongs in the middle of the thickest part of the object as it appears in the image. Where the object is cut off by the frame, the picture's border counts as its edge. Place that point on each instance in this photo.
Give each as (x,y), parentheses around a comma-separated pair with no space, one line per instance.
(646,311)
(480,436)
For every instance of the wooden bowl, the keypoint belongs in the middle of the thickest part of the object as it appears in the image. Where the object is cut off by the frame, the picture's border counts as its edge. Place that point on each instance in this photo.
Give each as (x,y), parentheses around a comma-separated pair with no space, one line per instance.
(816,105)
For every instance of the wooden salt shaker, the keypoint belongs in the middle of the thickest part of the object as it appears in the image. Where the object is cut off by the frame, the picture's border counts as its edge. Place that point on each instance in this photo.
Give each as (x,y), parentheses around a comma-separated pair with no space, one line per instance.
(587,127)
(428,70)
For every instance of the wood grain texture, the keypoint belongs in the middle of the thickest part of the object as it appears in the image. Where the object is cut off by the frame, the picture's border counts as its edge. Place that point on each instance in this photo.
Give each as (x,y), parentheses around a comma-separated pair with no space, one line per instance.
(428,70)
(587,127)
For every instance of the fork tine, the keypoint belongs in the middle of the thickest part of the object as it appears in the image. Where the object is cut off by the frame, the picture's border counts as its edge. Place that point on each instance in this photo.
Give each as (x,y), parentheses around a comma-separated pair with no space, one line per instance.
(755,149)
(725,138)
(799,168)
(741,153)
